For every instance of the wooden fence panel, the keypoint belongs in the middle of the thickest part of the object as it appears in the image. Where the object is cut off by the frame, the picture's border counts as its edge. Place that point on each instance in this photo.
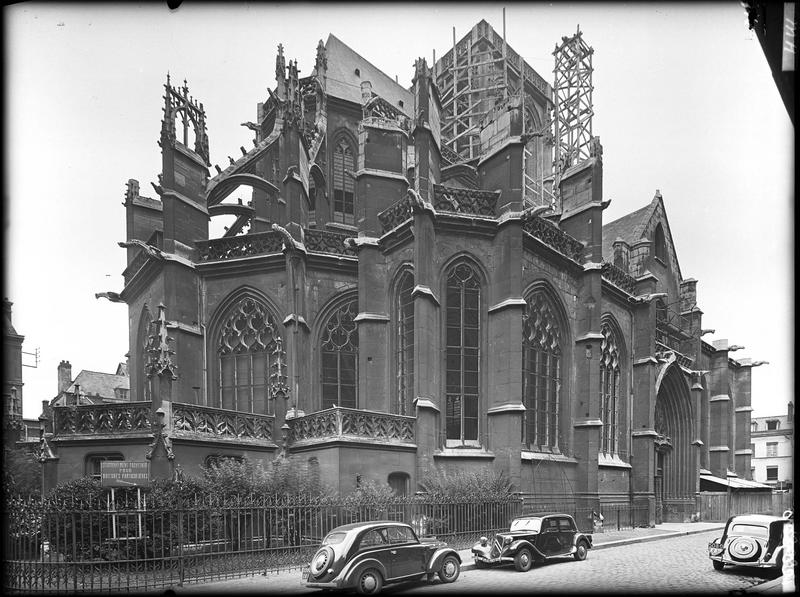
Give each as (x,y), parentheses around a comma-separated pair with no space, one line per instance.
(718,506)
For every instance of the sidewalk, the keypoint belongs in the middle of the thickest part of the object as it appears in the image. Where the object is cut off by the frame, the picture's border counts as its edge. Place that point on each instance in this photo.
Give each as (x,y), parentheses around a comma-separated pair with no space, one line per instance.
(604,540)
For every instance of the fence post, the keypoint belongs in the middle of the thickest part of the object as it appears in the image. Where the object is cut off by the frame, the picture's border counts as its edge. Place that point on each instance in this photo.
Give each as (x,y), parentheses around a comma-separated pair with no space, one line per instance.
(618,525)
(180,540)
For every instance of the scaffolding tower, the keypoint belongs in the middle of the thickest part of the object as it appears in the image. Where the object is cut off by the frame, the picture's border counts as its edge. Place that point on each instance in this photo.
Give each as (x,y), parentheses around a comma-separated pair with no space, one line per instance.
(477,74)
(573,101)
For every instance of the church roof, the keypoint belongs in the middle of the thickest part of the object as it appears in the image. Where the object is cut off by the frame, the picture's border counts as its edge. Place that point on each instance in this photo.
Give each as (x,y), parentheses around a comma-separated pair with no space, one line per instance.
(343,82)
(629,228)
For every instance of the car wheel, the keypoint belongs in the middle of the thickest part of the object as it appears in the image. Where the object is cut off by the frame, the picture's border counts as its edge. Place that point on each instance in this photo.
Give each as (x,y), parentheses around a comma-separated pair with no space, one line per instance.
(370,582)
(450,569)
(523,560)
(717,565)
(581,551)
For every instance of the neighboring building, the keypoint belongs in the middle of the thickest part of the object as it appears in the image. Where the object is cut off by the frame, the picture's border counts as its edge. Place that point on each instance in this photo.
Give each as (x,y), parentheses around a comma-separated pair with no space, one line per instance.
(772,444)
(91,387)
(412,288)
(12,367)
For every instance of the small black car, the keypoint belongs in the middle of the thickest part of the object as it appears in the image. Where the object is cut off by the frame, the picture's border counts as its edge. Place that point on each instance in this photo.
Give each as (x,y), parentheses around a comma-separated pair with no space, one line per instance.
(365,556)
(534,538)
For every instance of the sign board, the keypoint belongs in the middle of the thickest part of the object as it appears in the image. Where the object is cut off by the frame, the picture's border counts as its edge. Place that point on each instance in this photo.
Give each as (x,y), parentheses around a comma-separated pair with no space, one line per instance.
(124,474)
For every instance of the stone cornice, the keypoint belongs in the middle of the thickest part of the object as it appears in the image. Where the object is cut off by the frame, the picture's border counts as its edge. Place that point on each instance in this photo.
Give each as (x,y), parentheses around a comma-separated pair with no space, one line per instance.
(508,303)
(422,290)
(587,423)
(184,199)
(533,455)
(422,402)
(506,408)
(720,398)
(381,174)
(515,140)
(376,317)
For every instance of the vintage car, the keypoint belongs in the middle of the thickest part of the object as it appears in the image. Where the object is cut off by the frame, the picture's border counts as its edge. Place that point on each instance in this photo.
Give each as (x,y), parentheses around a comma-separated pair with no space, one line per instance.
(754,540)
(366,555)
(533,538)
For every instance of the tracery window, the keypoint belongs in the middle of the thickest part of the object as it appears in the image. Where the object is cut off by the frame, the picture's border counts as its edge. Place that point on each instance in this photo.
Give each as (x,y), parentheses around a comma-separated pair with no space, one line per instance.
(312,200)
(404,342)
(339,351)
(541,372)
(251,360)
(462,342)
(343,183)
(609,390)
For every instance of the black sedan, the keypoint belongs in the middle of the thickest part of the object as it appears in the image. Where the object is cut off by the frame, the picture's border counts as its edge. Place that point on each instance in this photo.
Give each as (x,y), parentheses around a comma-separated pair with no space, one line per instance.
(534,538)
(365,556)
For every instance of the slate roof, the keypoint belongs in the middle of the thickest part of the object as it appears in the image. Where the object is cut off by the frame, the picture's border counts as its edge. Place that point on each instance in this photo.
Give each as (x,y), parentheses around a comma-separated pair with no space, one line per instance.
(629,228)
(342,81)
(96,387)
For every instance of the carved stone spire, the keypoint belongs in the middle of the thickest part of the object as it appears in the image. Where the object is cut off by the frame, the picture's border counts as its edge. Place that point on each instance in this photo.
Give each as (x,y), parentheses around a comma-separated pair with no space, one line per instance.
(280,73)
(322,59)
(159,354)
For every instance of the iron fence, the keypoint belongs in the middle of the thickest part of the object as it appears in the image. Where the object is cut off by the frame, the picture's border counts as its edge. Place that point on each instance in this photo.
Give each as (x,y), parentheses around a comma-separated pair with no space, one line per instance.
(607,516)
(139,544)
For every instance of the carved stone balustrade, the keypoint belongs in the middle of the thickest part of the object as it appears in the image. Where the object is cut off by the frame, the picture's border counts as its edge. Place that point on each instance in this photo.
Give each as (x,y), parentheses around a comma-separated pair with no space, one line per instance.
(244,245)
(466,201)
(450,157)
(396,214)
(101,419)
(326,241)
(347,424)
(619,278)
(217,423)
(555,238)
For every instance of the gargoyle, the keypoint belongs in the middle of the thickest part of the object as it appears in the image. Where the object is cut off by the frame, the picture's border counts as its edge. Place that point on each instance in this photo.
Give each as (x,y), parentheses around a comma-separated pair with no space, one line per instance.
(149,249)
(112,296)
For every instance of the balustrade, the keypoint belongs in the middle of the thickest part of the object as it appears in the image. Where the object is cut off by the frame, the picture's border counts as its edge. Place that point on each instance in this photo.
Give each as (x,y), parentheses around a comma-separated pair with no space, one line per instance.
(348,423)
(619,277)
(396,214)
(555,238)
(218,422)
(244,245)
(99,419)
(325,241)
(469,201)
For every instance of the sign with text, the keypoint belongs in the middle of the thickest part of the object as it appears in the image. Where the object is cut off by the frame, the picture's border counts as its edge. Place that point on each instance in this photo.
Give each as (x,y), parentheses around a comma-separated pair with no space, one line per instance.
(124,474)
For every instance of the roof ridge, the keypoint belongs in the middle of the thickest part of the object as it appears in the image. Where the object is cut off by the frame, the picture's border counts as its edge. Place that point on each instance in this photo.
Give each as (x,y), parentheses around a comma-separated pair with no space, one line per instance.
(380,70)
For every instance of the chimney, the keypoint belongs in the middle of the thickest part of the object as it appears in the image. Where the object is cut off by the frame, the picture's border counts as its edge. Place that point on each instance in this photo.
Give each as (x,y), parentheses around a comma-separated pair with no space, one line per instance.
(64,375)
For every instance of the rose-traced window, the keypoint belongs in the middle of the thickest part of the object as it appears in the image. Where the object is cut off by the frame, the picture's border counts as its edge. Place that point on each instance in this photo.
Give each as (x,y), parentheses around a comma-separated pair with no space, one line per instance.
(463,300)
(250,359)
(609,390)
(339,351)
(541,372)
(404,342)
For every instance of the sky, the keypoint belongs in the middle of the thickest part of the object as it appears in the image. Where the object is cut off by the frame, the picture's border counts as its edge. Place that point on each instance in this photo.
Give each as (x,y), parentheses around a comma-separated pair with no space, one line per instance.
(683,96)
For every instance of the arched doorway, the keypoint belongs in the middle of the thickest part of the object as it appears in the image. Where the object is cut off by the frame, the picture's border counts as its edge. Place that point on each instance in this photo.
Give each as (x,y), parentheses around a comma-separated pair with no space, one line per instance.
(675,470)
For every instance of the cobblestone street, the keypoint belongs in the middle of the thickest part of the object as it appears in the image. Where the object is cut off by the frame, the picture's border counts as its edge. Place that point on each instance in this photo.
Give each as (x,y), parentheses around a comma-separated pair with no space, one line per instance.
(678,565)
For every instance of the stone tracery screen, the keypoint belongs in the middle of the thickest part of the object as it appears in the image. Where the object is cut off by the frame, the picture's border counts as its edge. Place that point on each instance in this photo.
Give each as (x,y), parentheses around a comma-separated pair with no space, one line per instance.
(541,372)
(609,390)
(404,343)
(343,183)
(339,352)
(249,349)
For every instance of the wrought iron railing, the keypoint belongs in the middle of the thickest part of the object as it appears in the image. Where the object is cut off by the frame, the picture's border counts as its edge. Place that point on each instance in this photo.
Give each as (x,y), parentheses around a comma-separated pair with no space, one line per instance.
(396,214)
(99,419)
(244,245)
(220,423)
(555,238)
(619,278)
(327,241)
(349,423)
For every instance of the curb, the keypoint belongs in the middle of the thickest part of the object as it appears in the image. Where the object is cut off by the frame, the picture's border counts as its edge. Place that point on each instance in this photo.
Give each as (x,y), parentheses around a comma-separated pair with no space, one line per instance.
(470,565)
(771,586)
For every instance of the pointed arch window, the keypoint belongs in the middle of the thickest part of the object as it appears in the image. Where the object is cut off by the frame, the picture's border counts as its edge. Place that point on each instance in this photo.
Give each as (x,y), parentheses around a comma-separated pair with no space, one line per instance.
(339,352)
(541,373)
(404,342)
(343,183)
(660,244)
(250,369)
(463,300)
(609,391)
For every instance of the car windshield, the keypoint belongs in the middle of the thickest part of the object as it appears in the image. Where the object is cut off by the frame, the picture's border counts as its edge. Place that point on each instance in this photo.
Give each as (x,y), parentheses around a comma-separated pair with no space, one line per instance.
(334,538)
(749,530)
(527,524)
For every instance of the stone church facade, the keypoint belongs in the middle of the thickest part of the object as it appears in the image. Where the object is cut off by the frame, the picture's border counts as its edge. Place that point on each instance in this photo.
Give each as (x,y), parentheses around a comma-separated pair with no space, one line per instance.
(396,298)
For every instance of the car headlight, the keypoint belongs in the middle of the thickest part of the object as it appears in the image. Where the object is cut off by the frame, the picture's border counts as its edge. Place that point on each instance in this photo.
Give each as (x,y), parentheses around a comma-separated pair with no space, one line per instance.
(506,540)
(484,541)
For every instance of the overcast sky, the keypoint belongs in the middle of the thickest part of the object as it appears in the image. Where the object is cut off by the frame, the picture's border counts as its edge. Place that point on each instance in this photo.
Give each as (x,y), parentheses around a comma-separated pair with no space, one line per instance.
(684,102)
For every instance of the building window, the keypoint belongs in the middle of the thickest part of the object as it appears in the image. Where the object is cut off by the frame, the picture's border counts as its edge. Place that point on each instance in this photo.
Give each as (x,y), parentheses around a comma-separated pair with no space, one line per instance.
(754,426)
(541,373)
(462,338)
(772,449)
(343,183)
(772,473)
(340,358)
(773,425)
(609,390)
(660,244)
(399,483)
(312,200)
(250,359)
(94,461)
(404,342)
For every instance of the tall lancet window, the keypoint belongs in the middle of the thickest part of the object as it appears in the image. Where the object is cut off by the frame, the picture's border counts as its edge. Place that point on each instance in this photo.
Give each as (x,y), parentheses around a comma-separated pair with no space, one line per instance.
(343,183)
(463,355)
(251,358)
(339,352)
(404,342)
(609,391)
(541,373)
